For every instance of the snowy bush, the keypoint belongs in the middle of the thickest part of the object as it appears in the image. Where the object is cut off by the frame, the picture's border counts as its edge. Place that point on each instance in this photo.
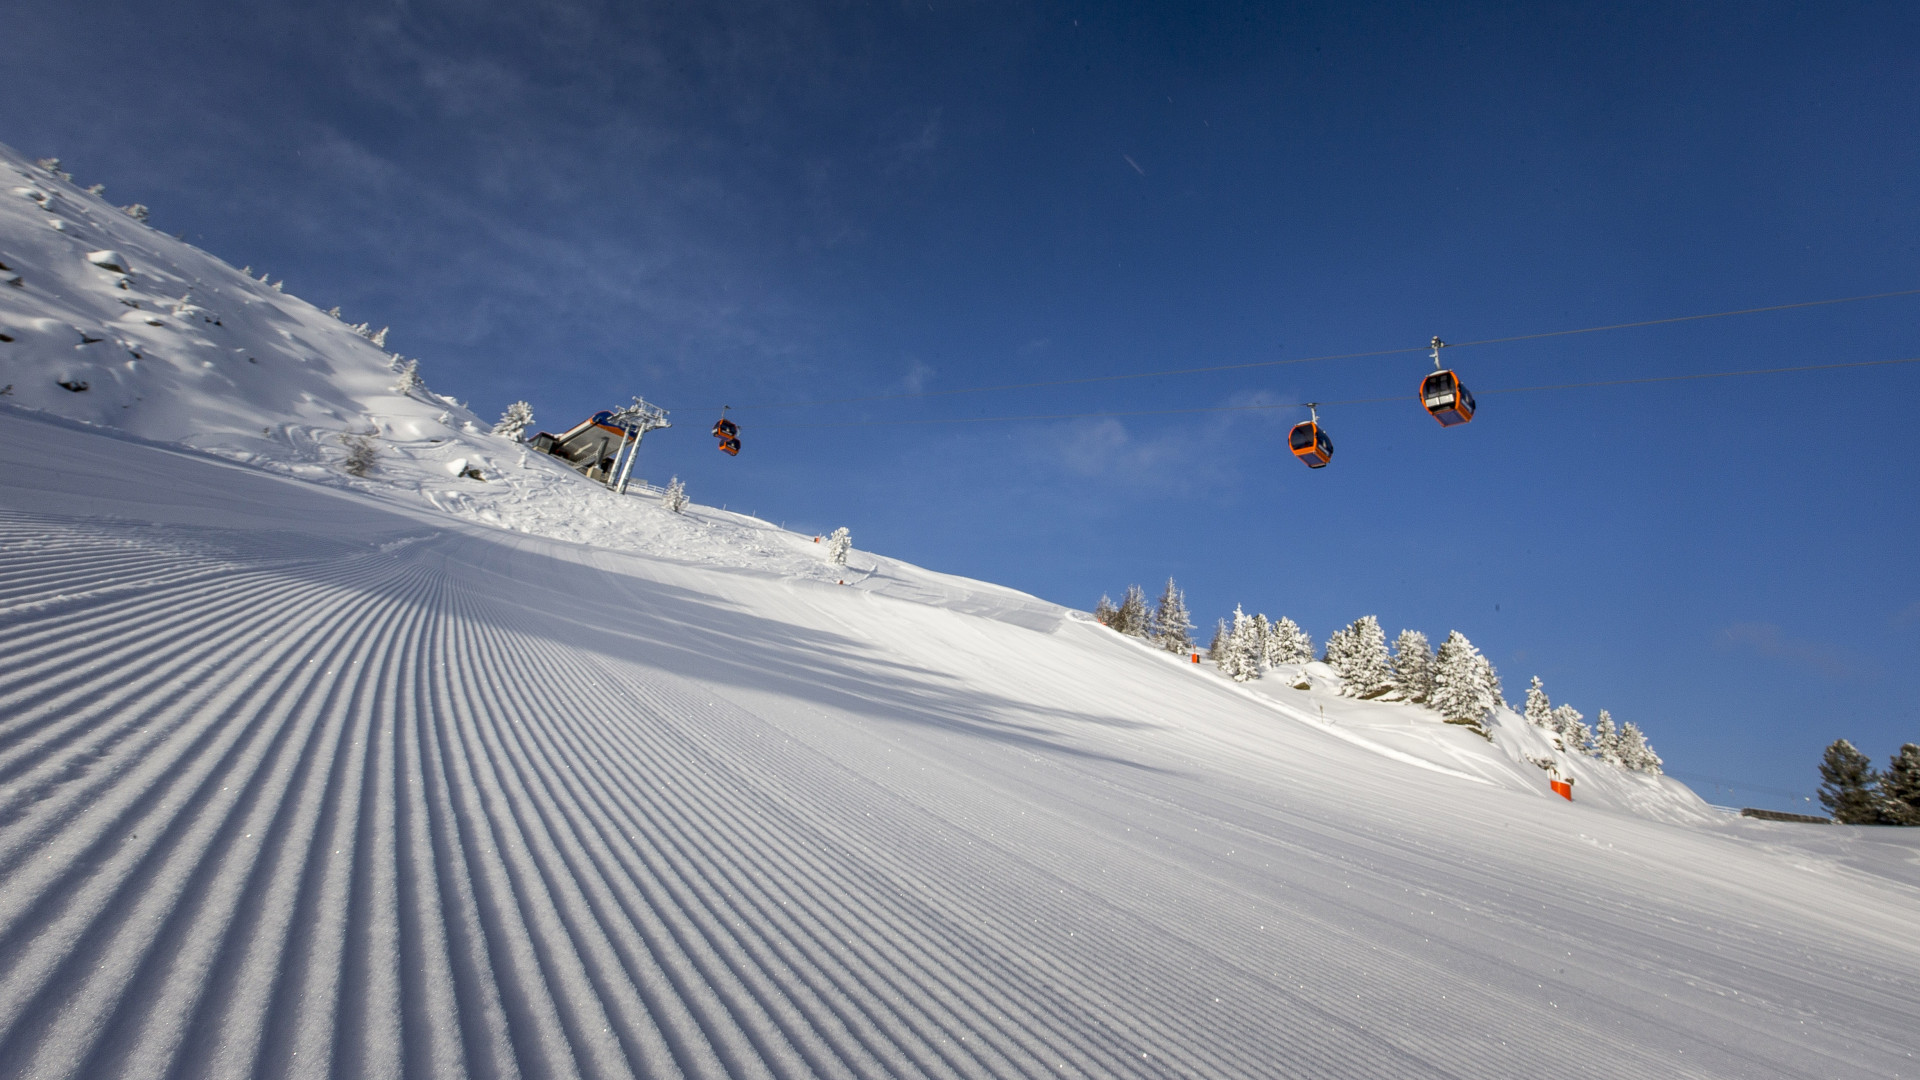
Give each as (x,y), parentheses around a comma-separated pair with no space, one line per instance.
(515,421)
(838,545)
(361,452)
(136,211)
(52,165)
(1412,666)
(676,497)
(1171,626)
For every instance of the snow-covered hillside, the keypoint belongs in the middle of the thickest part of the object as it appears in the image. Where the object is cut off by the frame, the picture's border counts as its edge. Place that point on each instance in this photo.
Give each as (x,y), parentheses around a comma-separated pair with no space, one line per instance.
(310,774)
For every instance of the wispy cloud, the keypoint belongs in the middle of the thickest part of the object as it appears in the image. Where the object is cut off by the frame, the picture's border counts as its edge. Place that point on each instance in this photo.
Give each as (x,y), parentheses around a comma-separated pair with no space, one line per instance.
(1767,639)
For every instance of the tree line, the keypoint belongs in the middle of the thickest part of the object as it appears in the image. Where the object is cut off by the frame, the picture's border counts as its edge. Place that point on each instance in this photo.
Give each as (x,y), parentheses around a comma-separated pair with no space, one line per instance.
(1455,680)
(1855,794)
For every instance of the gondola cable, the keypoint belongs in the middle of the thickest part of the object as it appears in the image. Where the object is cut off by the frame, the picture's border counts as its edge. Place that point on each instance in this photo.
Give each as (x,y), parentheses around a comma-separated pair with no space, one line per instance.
(1332,356)
(1352,401)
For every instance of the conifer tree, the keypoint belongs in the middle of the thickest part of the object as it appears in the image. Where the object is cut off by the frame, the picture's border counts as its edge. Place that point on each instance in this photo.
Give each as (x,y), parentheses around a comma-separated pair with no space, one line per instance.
(1132,617)
(1606,739)
(1491,676)
(676,497)
(1847,782)
(1171,626)
(1290,644)
(1412,666)
(1104,611)
(1539,711)
(1366,671)
(1900,787)
(1272,645)
(1339,648)
(839,544)
(1570,730)
(408,371)
(1262,640)
(515,421)
(1635,752)
(1461,692)
(1218,646)
(1238,656)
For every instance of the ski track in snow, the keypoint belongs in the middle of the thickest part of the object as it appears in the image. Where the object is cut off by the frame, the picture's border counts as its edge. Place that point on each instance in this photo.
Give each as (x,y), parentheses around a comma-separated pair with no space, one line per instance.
(293,783)
(409,774)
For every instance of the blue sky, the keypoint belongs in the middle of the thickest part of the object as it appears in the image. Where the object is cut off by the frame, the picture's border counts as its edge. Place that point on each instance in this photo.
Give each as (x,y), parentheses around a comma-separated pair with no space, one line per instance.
(759,204)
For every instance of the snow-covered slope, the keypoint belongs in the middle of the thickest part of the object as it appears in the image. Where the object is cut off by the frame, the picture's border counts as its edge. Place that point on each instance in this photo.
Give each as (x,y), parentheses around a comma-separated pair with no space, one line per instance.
(307,774)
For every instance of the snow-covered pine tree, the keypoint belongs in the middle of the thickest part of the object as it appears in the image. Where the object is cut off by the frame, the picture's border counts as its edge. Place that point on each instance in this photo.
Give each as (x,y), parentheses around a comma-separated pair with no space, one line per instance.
(1635,752)
(408,372)
(1847,783)
(1171,626)
(1412,666)
(137,211)
(1339,648)
(515,421)
(1104,611)
(1132,618)
(839,543)
(1291,644)
(1606,740)
(1538,711)
(676,497)
(1461,691)
(1570,729)
(1238,657)
(1273,647)
(1900,788)
(1366,671)
(1218,646)
(1491,675)
(1262,640)
(380,339)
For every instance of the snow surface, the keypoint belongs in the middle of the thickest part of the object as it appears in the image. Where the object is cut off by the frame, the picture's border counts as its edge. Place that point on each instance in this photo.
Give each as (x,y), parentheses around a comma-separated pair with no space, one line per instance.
(307,774)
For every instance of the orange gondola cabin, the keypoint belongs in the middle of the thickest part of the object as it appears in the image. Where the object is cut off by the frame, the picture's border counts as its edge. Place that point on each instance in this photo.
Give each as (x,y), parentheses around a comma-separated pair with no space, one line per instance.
(1446,398)
(1310,444)
(728,433)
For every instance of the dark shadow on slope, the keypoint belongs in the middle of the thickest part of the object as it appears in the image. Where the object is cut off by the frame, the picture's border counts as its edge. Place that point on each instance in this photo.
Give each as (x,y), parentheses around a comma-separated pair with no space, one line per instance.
(181,501)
